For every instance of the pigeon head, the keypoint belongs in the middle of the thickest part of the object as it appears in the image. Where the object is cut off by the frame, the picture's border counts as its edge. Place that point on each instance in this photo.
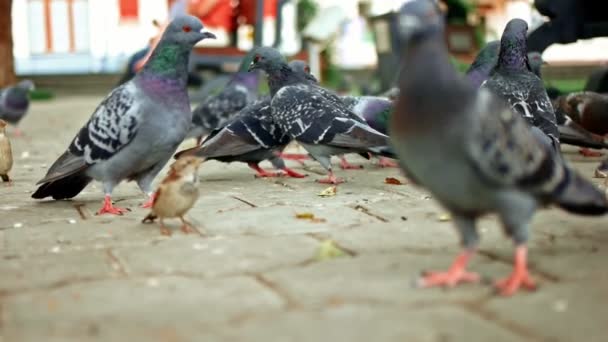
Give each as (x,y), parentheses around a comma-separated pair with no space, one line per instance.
(267,59)
(247,60)
(185,30)
(535,60)
(26,85)
(302,68)
(513,50)
(418,18)
(487,55)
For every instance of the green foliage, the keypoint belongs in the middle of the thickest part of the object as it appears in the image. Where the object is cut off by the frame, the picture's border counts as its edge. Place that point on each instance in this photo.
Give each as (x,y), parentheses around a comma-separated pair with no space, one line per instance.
(307,9)
(41,94)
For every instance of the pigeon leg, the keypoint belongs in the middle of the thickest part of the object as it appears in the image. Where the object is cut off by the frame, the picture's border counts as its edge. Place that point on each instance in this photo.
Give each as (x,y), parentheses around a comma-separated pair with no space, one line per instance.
(586,152)
(292,173)
(331,179)
(520,275)
(163,229)
(263,173)
(456,274)
(109,208)
(345,165)
(187,227)
(386,162)
(150,201)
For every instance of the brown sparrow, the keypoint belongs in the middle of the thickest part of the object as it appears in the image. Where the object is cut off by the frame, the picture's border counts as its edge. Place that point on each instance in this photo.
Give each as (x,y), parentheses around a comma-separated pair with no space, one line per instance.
(6,155)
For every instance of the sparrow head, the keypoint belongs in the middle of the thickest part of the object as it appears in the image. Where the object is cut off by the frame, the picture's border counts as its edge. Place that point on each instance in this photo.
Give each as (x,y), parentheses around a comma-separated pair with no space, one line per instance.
(186,165)
(2,125)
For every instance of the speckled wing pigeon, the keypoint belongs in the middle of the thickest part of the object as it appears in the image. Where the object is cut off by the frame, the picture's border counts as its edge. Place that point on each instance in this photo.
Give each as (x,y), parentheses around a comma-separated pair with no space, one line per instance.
(313,116)
(473,153)
(136,129)
(512,80)
(216,110)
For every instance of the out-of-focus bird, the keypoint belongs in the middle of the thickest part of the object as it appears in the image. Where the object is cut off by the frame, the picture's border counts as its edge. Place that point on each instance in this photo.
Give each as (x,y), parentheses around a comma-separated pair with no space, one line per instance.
(136,129)
(513,81)
(473,153)
(176,194)
(15,102)
(484,63)
(313,116)
(215,111)
(6,153)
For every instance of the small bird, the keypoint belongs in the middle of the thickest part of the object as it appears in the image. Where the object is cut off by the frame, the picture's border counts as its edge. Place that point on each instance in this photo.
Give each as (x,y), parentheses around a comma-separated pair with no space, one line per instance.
(177,194)
(251,137)
(6,154)
(216,110)
(136,129)
(313,116)
(512,80)
(15,102)
(473,153)
(484,63)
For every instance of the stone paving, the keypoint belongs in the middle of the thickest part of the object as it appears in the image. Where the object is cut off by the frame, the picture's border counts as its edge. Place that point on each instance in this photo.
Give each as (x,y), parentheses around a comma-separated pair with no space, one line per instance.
(66,274)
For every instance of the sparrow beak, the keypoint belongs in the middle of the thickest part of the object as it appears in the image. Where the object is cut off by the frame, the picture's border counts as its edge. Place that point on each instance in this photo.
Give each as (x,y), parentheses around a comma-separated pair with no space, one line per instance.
(207,35)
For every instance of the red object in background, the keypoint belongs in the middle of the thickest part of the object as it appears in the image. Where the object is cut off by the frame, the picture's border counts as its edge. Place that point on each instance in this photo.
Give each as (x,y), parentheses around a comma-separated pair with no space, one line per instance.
(247,10)
(129,9)
(221,15)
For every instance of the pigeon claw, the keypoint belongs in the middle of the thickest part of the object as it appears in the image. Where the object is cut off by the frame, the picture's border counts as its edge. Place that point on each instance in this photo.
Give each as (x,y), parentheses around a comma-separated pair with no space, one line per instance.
(109,208)
(519,278)
(293,174)
(386,162)
(345,165)
(150,202)
(585,152)
(455,275)
(331,179)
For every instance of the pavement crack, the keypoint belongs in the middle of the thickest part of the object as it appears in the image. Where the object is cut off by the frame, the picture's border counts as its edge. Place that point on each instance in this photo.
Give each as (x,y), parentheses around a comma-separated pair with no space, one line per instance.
(251,204)
(115,263)
(322,238)
(478,310)
(290,303)
(365,210)
(497,257)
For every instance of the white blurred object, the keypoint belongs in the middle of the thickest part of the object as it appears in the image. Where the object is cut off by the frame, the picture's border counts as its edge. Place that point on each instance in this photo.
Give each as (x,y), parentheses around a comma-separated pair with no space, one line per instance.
(325,25)
(355,36)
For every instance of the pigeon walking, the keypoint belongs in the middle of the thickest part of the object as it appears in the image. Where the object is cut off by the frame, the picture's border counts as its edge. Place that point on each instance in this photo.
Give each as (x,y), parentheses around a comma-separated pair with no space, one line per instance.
(512,80)
(251,137)
(136,129)
(176,194)
(216,110)
(313,116)
(6,153)
(473,153)
(15,102)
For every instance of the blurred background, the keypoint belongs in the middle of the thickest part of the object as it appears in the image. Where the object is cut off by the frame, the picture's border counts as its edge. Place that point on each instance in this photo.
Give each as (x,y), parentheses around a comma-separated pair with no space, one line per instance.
(91,45)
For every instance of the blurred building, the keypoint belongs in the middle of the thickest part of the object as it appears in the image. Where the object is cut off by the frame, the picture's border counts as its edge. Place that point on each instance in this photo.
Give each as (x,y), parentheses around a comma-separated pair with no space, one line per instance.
(81,36)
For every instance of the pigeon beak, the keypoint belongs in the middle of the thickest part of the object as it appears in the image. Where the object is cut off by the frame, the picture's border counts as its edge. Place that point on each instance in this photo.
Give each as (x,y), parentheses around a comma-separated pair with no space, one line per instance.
(207,35)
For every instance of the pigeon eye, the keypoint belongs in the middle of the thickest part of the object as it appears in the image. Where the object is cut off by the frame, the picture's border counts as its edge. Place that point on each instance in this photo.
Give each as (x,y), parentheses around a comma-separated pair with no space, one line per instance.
(257,58)
(307,69)
(186,28)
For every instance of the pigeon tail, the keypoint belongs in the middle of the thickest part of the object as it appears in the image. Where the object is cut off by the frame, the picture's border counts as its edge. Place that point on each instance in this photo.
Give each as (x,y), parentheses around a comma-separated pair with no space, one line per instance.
(63,188)
(579,196)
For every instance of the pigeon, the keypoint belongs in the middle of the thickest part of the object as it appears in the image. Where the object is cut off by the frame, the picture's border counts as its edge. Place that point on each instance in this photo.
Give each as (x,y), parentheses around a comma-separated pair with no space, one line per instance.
(484,63)
(473,153)
(313,116)
(15,101)
(176,194)
(6,153)
(536,62)
(136,129)
(251,137)
(391,94)
(512,80)
(216,110)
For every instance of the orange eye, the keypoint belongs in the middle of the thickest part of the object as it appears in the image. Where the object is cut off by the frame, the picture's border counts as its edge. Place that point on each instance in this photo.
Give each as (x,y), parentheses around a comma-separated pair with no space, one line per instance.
(186,28)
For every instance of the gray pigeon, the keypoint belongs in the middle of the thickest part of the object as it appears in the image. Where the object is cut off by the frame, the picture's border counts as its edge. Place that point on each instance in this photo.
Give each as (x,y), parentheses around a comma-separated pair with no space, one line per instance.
(15,101)
(136,129)
(512,80)
(313,116)
(484,63)
(215,111)
(473,153)
(251,137)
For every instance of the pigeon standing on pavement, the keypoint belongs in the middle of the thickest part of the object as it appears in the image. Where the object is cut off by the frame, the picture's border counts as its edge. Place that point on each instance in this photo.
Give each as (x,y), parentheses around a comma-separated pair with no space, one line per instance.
(313,116)
(6,153)
(473,153)
(512,80)
(215,111)
(136,129)
(484,63)
(251,137)
(15,102)
(176,194)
